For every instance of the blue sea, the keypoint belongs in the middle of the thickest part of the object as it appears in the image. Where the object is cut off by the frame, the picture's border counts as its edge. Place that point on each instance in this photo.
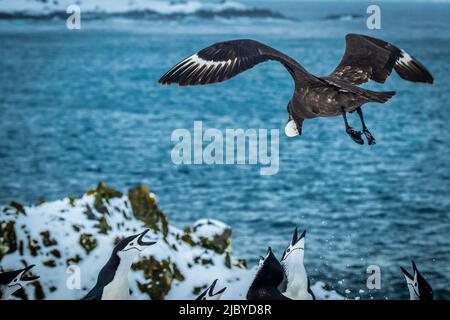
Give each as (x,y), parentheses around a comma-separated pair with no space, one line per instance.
(79,106)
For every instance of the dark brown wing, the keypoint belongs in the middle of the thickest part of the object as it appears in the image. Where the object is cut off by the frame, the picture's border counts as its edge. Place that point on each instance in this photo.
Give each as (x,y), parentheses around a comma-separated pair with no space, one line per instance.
(368,58)
(224,60)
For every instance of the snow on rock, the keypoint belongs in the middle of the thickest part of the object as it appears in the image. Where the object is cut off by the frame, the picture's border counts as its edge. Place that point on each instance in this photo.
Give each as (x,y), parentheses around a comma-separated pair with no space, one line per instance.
(82,233)
(135,8)
(77,235)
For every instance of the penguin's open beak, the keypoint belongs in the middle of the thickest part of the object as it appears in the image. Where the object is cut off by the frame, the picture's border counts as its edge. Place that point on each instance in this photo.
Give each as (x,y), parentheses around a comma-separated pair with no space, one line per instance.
(141,241)
(406,274)
(211,290)
(25,278)
(21,279)
(295,237)
(209,293)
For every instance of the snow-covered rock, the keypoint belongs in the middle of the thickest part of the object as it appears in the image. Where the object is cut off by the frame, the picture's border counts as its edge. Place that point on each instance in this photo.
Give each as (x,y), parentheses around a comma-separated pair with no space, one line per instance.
(129,8)
(82,233)
(71,237)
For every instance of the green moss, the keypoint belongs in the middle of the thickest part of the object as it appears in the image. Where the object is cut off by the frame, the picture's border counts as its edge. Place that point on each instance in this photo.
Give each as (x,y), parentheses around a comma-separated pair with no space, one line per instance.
(187,229)
(8,238)
(49,263)
(102,226)
(88,242)
(227,260)
(40,200)
(56,253)
(19,207)
(71,202)
(21,252)
(102,195)
(241,263)
(159,276)
(177,273)
(20,294)
(198,290)
(145,209)
(47,240)
(89,213)
(203,261)
(38,291)
(33,246)
(74,260)
(220,243)
(188,239)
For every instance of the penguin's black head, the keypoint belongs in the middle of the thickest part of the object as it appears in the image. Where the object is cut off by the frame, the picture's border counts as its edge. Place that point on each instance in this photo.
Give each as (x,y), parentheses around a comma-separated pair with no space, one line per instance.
(270,271)
(419,288)
(132,245)
(15,280)
(209,294)
(296,248)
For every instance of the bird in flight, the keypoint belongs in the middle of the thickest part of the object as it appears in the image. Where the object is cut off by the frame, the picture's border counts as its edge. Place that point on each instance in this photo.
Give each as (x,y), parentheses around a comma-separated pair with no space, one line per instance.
(337,94)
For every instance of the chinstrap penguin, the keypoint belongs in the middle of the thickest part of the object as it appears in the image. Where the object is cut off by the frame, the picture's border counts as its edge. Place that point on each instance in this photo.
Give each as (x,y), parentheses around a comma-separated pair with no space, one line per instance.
(419,288)
(12,281)
(268,277)
(296,285)
(209,293)
(112,282)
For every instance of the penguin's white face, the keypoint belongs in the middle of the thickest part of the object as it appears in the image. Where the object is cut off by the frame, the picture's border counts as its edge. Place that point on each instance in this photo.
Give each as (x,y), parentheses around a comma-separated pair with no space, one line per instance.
(130,247)
(16,281)
(418,287)
(413,287)
(296,250)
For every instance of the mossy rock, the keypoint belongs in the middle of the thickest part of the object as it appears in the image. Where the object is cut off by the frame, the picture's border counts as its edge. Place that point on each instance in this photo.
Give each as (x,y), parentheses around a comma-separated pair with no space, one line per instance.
(38,290)
(56,253)
(159,276)
(3,249)
(88,242)
(103,226)
(188,239)
(227,261)
(73,260)
(8,238)
(49,263)
(47,241)
(241,264)
(203,261)
(89,213)
(71,201)
(145,209)
(219,243)
(102,195)
(33,246)
(198,290)
(19,207)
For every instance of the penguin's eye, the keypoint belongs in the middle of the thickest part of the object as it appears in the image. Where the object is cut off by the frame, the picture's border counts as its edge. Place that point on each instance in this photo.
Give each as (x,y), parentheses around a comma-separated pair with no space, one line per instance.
(288,250)
(132,244)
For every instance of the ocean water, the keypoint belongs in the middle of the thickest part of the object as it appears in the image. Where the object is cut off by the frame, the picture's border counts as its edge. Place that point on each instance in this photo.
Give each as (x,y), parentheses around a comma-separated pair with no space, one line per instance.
(81,106)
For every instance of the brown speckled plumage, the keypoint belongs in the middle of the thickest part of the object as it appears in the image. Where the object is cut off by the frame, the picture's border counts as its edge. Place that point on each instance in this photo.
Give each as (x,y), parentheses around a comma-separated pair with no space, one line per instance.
(365,59)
